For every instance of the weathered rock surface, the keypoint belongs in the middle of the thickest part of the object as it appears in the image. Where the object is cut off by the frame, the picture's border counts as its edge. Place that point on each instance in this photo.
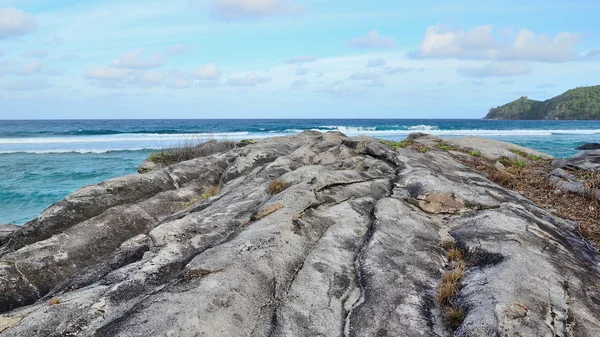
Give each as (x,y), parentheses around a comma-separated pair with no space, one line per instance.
(589,146)
(6,231)
(585,160)
(350,248)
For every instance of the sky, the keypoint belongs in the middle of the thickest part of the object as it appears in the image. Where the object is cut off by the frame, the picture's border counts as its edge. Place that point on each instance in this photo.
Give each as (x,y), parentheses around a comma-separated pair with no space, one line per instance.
(289,58)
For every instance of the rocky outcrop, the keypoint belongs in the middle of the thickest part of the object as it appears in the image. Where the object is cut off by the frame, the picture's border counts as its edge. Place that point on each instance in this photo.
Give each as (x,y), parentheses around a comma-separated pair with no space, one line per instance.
(589,146)
(352,247)
(6,231)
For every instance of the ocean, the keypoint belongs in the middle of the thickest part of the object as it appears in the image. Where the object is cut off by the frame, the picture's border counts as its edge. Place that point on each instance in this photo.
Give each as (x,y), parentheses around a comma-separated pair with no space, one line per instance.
(43,161)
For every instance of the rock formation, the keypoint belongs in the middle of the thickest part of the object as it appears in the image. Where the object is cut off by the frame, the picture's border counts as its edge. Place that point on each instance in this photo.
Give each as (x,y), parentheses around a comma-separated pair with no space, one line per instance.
(308,235)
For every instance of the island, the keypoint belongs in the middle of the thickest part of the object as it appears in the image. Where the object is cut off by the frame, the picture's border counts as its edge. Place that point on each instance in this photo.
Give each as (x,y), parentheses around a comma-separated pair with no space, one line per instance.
(581,103)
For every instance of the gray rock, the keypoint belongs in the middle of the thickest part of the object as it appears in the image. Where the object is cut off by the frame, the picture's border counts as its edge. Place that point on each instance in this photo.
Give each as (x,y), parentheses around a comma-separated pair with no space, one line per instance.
(6,231)
(589,146)
(499,166)
(350,248)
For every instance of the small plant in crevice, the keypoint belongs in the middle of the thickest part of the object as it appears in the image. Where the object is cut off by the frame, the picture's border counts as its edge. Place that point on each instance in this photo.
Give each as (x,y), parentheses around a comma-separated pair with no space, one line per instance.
(209,191)
(450,285)
(423,149)
(394,144)
(276,186)
(445,147)
(475,153)
(54,301)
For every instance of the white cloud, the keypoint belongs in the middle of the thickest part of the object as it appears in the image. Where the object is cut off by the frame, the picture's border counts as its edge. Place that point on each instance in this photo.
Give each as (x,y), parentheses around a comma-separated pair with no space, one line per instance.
(105,73)
(12,67)
(207,72)
(338,89)
(497,69)
(177,49)
(300,83)
(372,40)
(179,83)
(483,43)
(25,85)
(592,54)
(14,22)
(229,10)
(378,62)
(300,59)
(135,60)
(397,70)
(39,53)
(364,76)
(301,71)
(149,79)
(250,80)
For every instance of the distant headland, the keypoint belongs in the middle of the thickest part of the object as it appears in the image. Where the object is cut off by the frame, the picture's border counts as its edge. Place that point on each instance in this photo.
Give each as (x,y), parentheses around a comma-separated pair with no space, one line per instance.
(581,103)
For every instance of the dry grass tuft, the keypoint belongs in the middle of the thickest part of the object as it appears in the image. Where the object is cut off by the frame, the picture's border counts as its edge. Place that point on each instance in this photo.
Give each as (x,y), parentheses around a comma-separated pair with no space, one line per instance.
(454,317)
(276,186)
(268,210)
(190,149)
(54,301)
(454,254)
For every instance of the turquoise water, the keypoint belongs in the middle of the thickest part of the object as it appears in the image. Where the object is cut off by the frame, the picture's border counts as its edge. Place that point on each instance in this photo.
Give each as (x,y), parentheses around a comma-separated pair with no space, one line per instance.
(41,162)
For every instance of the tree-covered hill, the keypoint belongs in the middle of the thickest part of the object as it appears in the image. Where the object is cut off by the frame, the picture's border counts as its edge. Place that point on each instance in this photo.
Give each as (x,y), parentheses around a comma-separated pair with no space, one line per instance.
(579,103)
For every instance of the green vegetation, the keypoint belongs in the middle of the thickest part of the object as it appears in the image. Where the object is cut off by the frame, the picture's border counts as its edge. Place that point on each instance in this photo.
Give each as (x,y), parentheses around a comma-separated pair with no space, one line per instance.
(445,147)
(189,150)
(475,153)
(512,162)
(394,144)
(248,141)
(209,191)
(525,154)
(423,149)
(581,103)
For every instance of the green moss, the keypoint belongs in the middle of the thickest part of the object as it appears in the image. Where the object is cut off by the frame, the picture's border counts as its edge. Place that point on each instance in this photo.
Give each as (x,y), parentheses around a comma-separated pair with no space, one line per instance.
(475,153)
(445,147)
(423,149)
(394,144)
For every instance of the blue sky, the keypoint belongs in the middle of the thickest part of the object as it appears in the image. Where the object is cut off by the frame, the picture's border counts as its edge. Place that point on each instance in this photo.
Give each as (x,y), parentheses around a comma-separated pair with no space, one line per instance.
(289,58)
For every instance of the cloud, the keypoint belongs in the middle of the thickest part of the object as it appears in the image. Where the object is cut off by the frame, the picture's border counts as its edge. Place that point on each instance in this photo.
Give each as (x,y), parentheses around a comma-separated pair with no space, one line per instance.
(11,67)
(377,83)
(300,83)
(148,79)
(177,49)
(397,70)
(497,69)
(300,59)
(483,43)
(364,76)
(39,53)
(338,89)
(207,72)
(378,62)
(1,53)
(372,40)
(25,85)
(250,80)
(592,54)
(229,10)
(301,71)
(14,22)
(134,60)
(179,83)
(105,73)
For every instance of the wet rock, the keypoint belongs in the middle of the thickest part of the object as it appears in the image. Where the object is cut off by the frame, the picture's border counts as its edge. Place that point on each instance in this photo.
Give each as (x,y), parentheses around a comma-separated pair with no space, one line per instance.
(350,248)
